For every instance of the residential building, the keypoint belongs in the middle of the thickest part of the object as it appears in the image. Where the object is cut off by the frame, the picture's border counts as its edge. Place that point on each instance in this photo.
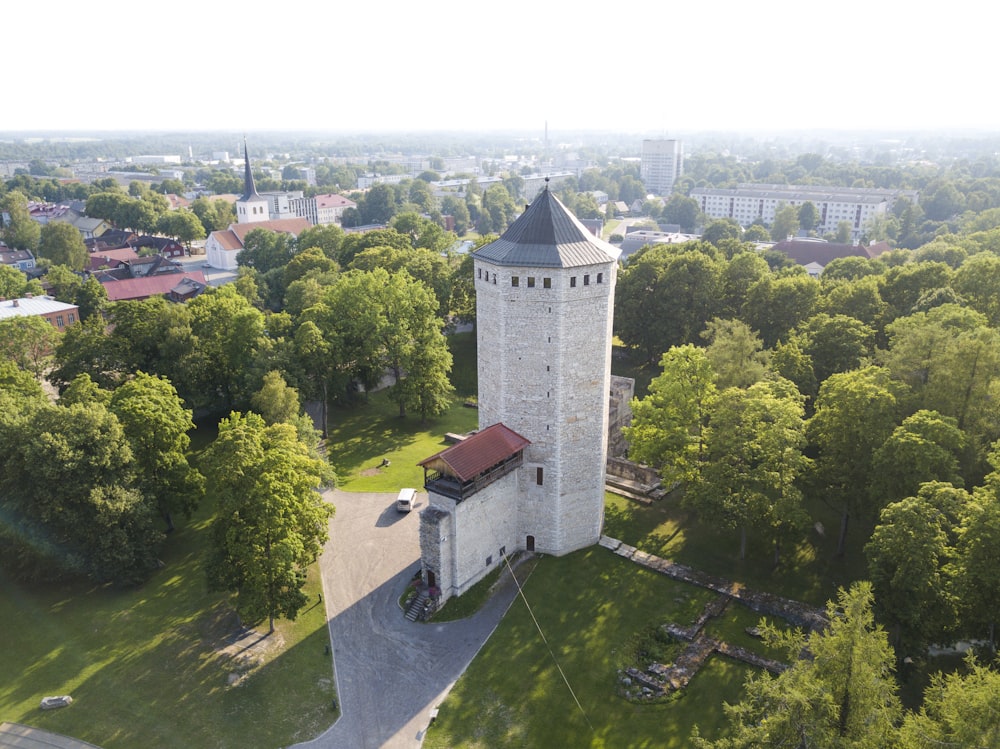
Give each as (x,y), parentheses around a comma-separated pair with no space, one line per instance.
(23,260)
(58,314)
(660,165)
(747,203)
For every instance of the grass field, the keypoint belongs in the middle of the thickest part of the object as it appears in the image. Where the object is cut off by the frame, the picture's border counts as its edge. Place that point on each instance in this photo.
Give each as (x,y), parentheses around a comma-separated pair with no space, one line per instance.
(150,667)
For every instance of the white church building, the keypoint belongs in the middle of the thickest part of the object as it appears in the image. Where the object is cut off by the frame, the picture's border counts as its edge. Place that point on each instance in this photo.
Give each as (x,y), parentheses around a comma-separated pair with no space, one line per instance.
(532,477)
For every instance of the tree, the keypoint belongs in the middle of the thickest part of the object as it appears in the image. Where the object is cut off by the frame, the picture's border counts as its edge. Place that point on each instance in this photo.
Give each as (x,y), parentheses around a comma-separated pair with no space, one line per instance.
(456,208)
(719,229)
(977,281)
(977,578)
(276,401)
(61,244)
(498,210)
(667,430)
(96,525)
(156,425)
(265,250)
(328,237)
(907,557)
(271,523)
(14,284)
(751,461)
(735,353)
(665,295)
(183,225)
(843,695)
(378,205)
(775,305)
(925,447)
(21,232)
(786,223)
(959,710)
(682,210)
(28,342)
(855,413)
(834,343)
(808,216)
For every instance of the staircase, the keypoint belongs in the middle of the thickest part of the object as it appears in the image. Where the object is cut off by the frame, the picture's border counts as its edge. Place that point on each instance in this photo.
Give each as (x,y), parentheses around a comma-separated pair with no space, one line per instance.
(416,608)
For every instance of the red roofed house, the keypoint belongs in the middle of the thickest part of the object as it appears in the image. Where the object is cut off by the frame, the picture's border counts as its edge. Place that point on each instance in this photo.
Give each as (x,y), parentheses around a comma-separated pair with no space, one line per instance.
(816,254)
(175,286)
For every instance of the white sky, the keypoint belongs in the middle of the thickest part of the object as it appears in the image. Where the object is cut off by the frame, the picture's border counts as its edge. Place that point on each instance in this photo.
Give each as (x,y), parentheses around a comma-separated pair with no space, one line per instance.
(656,66)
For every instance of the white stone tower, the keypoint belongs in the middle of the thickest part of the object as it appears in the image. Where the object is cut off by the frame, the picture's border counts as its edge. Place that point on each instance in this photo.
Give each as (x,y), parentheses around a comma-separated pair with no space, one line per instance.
(545,295)
(251,206)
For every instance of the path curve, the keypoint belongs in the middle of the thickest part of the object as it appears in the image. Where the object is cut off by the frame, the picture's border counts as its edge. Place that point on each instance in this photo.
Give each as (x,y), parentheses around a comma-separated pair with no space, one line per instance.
(390,672)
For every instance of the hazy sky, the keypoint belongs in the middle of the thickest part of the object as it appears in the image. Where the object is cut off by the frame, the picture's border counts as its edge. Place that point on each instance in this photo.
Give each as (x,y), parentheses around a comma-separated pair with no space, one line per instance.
(641,66)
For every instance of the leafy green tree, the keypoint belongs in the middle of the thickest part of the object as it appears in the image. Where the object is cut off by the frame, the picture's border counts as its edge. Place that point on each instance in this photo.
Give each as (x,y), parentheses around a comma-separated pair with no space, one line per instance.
(808,216)
(667,430)
(498,210)
(20,232)
(14,284)
(855,414)
(977,575)
(271,523)
(903,285)
(925,447)
(378,205)
(457,209)
(463,290)
(834,343)
(328,237)
(276,401)
(959,710)
(228,332)
(423,265)
(756,233)
(908,555)
(843,695)
(156,425)
(84,390)
(752,460)
(776,305)
(61,244)
(265,250)
(858,298)
(682,210)
(106,205)
(664,297)
(183,225)
(740,273)
(786,223)
(28,342)
(977,281)
(96,525)
(723,228)
(735,353)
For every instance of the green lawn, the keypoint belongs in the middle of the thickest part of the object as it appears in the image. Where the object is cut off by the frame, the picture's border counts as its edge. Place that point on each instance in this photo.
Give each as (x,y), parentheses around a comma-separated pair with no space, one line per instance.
(146,666)
(591,607)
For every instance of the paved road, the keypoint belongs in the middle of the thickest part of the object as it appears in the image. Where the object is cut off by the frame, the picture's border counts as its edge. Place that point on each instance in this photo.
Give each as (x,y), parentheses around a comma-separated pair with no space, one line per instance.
(390,672)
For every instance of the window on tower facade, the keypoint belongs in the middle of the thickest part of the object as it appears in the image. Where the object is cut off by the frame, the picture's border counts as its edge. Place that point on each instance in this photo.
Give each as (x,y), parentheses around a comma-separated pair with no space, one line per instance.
(531,282)
(538,475)
(515,281)
(600,278)
(572,282)
(586,279)
(547,283)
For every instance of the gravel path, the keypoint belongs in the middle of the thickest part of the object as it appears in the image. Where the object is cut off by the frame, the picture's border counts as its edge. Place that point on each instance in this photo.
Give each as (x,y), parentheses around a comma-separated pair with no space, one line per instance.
(390,672)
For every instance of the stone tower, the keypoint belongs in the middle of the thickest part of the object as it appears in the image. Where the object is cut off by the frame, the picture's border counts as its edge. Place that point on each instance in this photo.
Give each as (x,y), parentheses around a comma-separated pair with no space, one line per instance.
(545,295)
(532,478)
(251,206)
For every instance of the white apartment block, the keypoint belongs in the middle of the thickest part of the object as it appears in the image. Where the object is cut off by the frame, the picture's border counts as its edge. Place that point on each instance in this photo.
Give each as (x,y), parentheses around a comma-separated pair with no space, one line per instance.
(661,163)
(748,203)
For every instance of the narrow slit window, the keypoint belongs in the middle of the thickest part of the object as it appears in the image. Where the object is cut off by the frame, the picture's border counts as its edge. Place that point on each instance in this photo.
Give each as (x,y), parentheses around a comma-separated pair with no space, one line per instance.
(586,279)
(600,278)
(572,282)
(538,475)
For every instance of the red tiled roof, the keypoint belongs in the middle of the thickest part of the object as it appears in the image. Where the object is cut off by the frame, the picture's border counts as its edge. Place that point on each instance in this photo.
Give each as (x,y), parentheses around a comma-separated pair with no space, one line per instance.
(227,239)
(143,288)
(481,451)
(291,226)
(804,252)
(334,201)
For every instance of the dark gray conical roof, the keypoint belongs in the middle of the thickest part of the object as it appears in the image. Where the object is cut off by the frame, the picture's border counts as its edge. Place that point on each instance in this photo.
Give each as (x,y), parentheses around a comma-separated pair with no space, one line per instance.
(547,235)
(249,188)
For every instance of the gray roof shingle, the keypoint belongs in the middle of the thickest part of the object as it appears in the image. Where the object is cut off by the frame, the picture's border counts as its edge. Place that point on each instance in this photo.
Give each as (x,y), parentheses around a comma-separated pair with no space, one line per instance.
(547,235)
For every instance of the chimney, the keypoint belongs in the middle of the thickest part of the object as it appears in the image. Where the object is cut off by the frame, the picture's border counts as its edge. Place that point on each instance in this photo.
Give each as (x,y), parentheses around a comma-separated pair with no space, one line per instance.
(15,303)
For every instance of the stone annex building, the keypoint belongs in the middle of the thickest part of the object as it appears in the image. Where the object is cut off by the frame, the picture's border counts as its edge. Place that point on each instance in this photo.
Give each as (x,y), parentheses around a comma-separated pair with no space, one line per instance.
(532,478)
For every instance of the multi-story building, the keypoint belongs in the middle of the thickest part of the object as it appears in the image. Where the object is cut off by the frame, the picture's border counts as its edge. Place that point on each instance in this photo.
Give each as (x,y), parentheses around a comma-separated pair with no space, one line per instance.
(748,203)
(662,162)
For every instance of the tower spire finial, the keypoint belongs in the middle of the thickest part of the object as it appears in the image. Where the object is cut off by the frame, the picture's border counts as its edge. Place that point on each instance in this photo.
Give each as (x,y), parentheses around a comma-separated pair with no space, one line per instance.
(249,188)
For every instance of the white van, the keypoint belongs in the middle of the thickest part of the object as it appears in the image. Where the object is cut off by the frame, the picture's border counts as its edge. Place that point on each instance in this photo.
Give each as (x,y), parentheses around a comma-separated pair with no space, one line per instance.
(405,500)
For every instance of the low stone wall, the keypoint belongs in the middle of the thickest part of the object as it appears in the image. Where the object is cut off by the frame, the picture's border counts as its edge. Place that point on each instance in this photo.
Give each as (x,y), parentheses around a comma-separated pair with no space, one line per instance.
(634,472)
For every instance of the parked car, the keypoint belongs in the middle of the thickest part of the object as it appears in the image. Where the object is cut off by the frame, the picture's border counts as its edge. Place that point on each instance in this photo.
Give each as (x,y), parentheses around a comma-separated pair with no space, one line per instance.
(405,499)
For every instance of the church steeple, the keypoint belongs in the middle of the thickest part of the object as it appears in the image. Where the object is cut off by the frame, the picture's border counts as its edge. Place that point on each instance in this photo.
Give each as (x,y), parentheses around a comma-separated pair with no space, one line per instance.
(251,207)
(249,188)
